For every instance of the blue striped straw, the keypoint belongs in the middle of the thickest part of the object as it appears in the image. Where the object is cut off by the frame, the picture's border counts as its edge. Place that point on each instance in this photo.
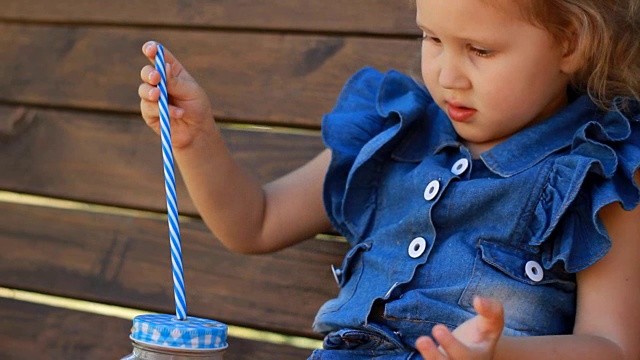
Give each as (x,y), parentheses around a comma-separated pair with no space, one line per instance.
(170,187)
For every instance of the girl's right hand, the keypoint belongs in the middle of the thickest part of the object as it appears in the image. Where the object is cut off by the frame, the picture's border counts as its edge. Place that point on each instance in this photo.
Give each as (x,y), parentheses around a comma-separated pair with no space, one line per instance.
(475,339)
(189,107)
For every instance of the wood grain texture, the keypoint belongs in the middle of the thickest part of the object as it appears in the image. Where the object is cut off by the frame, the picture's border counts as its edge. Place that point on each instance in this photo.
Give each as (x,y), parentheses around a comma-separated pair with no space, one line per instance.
(383,17)
(31,331)
(125,260)
(70,129)
(117,159)
(285,79)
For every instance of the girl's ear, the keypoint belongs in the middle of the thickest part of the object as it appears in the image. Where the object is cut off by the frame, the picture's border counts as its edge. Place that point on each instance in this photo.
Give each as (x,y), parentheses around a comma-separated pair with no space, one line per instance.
(573,57)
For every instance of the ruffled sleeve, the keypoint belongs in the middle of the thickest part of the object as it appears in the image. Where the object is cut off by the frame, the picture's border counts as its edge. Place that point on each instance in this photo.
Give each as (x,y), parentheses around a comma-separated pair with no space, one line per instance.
(372,110)
(597,171)
(354,119)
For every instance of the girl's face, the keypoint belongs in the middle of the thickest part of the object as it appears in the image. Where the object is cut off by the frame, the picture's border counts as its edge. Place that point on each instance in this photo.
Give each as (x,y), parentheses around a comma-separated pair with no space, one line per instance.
(490,70)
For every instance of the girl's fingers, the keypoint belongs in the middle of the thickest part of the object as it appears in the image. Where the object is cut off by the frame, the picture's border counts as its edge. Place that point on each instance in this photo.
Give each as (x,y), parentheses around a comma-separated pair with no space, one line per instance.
(149,75)
(180,86)
(492,315)
(451,346)
(175,112)
(148,92)
(149,49)
(489,308)
(179,83)
(150,111)
(428,349)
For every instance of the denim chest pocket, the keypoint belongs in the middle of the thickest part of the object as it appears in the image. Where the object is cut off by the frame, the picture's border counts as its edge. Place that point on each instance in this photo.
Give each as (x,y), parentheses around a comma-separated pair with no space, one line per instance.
(536,301)
(347,276)
(349,263)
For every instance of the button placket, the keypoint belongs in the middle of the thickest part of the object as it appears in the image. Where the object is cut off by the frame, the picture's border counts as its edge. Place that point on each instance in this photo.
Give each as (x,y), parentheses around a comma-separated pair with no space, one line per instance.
(417,247)
(431,190)
(460,166)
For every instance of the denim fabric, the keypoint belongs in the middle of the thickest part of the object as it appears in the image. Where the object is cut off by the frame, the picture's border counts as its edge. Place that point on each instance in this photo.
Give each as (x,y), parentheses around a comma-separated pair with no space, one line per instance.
(371,343)
(515,224)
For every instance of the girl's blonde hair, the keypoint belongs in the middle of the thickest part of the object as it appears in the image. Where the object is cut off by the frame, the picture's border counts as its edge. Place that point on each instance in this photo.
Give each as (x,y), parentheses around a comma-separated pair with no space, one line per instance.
(606,36)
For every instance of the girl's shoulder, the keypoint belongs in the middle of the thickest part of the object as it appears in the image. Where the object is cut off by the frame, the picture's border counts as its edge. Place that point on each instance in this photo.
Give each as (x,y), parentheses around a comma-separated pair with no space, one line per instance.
(598,168)
(374,111)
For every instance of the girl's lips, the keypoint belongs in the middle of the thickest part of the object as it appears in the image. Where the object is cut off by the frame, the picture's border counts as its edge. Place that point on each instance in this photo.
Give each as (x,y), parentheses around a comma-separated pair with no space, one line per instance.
(459,113)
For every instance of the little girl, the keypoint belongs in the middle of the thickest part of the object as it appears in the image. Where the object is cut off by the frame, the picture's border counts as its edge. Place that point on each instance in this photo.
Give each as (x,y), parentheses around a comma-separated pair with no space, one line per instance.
(492,211)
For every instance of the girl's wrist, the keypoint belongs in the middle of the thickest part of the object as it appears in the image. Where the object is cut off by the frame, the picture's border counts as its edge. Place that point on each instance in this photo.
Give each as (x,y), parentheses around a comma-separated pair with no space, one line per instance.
(201,141)
(195,132)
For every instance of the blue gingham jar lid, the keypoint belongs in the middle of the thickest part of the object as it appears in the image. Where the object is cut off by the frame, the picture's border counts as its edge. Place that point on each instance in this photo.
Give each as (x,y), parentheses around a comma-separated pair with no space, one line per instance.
(167,331)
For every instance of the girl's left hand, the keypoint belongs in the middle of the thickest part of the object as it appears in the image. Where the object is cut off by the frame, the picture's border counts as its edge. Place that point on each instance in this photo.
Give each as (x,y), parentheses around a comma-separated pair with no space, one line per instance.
(475,339)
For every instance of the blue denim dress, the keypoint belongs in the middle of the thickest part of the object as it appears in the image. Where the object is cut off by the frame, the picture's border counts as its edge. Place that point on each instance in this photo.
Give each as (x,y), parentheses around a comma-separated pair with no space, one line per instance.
(430,228)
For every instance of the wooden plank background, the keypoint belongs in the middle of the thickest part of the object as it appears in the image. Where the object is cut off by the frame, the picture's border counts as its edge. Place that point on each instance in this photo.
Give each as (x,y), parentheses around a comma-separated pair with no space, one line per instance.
(90,336)
(124,260)
(382,17)
(70,129)
(115,159)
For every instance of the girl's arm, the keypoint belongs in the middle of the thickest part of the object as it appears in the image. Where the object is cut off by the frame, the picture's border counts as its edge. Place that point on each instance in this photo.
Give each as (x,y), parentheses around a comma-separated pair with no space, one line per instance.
(244,215)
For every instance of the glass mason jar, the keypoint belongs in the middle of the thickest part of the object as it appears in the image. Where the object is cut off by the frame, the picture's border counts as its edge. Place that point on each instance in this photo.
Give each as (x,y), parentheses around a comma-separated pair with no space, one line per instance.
(164,337)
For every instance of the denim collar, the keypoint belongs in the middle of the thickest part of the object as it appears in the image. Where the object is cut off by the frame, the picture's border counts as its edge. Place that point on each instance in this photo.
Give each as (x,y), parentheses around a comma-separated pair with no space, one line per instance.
(428,130)
(531,145)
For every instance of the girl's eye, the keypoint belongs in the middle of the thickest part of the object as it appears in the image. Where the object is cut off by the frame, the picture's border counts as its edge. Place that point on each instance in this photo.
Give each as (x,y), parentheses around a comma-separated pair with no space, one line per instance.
(429,38)
(482,52)
(434,40)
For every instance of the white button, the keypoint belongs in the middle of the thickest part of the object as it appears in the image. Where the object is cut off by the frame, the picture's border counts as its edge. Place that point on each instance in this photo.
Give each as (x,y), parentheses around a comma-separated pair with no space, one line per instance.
(460,166)
(337,274)
(417,247)
(432,190)
(534,271)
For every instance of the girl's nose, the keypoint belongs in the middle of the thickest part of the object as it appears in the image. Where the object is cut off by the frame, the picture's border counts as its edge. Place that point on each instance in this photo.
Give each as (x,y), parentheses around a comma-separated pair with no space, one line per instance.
(452,75)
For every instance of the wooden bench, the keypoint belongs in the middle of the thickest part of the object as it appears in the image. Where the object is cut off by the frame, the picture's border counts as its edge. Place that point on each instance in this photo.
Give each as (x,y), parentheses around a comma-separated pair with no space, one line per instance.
(82,212)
